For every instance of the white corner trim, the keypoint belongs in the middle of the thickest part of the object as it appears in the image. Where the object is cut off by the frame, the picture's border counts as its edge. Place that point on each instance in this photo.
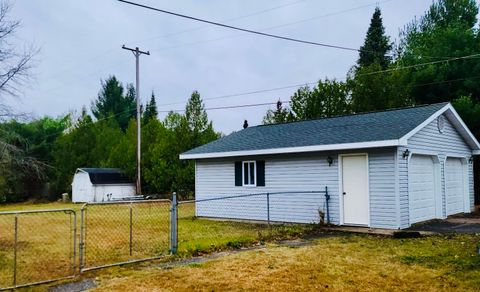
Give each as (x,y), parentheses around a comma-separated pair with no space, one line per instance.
(313,148)
(447,107)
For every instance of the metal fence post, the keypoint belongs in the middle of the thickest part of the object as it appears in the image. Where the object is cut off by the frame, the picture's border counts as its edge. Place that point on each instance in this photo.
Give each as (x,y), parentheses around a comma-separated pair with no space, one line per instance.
(74,267)
(15,252)
(82,238)
(327,198)
(173,224)
(268,208)
(131,230)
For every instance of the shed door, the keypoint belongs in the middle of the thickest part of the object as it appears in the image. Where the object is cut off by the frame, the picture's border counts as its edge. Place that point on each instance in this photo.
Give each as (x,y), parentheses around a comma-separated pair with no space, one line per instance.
(355,189)
(421,181)
(454,186)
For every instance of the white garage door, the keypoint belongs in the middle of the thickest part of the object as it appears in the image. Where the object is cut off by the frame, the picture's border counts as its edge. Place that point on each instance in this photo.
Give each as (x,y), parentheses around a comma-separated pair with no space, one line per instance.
(421,181)
(454,186)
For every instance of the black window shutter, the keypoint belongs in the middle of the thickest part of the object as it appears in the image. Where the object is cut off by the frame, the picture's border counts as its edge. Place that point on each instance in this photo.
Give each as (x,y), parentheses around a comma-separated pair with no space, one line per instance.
(238,173)
(261,173)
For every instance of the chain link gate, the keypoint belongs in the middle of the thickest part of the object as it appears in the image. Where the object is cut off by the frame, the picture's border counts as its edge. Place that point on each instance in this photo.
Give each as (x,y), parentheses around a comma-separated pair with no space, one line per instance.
(37,247)
(116,233)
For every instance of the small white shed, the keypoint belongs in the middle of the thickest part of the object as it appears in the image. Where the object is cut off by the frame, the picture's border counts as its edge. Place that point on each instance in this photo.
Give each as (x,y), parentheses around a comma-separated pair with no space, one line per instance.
(100,185)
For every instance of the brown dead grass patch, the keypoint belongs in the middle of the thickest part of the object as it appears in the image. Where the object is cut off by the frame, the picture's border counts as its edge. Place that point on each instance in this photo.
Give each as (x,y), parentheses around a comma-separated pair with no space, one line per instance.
(355,263)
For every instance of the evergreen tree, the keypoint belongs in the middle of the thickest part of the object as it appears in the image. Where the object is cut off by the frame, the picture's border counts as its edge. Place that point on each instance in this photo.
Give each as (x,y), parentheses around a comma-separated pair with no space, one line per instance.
(377,45)
(370,90)
(195,113)
(111,102)
(151,111)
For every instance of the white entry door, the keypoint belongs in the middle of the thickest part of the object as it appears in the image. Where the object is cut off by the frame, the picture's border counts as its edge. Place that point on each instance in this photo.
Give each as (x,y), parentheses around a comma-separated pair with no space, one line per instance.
(355,189)
(421,180)
(454,186)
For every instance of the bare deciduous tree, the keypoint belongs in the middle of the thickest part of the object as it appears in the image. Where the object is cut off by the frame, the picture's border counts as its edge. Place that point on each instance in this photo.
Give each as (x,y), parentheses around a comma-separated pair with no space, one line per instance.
(15,64)
(15,68)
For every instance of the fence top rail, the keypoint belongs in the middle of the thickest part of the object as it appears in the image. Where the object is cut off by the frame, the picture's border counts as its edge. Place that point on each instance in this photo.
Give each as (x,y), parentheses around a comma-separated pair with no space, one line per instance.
(37,211)
(126,202)
(252,195)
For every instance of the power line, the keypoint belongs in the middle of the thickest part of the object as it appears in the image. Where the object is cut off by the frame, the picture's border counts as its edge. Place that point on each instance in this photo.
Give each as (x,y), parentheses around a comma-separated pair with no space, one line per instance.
(83,77)
(228,107)
(243,29)
(226,20)
(344,78)
(69,68)
(266,28)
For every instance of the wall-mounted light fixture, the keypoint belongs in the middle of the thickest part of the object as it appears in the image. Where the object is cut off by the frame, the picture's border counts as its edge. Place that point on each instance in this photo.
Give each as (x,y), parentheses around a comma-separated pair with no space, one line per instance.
(470,160)
(329,160)
(406,153)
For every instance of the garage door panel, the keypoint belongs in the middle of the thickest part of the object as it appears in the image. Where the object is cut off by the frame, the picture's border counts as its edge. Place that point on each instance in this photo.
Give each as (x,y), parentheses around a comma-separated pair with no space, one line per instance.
(454,186)
(422,188)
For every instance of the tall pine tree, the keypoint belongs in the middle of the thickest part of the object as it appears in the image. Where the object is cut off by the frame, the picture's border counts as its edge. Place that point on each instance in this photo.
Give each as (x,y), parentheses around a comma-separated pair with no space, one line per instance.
(112,102)
(151,111)
(377,45)
(370,90)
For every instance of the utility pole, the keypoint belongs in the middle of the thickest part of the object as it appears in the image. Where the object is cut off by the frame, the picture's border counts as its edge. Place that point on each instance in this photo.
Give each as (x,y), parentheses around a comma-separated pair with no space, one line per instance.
(136,52)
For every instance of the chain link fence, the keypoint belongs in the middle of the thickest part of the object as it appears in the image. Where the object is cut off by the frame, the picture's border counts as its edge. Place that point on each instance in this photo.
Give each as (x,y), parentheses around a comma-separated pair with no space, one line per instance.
(233,221)
(40,246)
(37,247)
(114,233)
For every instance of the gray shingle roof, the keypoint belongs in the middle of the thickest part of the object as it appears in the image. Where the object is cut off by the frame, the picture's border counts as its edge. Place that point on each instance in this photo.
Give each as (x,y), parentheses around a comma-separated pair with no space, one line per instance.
(366,127)
(107,176)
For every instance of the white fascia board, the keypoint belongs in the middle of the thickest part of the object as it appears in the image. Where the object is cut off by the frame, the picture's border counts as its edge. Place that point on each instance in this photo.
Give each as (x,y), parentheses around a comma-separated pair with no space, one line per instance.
(459,119)
(476,152)
(447,107)
(314,148)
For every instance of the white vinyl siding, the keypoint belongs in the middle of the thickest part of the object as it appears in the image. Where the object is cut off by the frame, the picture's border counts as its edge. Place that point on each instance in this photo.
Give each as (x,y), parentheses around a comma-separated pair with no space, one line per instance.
(295,173)
(383,206)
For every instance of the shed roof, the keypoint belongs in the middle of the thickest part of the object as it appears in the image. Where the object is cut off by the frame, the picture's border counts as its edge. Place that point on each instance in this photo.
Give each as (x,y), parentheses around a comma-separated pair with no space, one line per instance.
(106,176)
(357,131)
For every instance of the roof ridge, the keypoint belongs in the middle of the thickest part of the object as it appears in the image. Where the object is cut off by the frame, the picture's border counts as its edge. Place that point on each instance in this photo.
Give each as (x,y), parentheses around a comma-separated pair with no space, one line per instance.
(355,114)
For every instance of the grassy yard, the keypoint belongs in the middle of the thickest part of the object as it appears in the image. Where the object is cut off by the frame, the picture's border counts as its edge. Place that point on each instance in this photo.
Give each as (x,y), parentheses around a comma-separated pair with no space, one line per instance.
(343,262)
(333,261)
(45,244)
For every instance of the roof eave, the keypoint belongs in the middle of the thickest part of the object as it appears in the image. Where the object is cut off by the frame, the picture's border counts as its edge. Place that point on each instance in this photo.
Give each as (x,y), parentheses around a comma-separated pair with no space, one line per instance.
(287,150)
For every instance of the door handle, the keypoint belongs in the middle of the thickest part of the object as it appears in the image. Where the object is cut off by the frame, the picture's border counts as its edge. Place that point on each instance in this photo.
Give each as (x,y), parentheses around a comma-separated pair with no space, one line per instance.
(344,193)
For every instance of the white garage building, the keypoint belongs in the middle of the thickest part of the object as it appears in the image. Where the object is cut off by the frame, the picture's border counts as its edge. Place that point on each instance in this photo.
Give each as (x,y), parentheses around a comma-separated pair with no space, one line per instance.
(387,169)
(100,185)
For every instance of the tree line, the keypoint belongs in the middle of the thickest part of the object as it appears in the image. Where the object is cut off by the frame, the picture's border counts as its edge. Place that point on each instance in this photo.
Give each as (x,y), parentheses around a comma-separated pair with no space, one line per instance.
(107,138)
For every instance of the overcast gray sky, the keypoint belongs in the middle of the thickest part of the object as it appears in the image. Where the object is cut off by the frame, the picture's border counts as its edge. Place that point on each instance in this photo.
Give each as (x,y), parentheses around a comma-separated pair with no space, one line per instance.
(80,44)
